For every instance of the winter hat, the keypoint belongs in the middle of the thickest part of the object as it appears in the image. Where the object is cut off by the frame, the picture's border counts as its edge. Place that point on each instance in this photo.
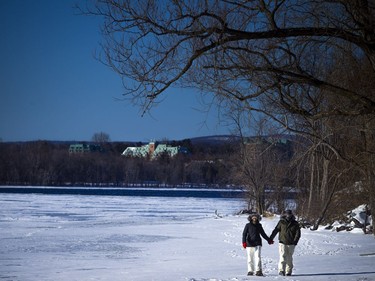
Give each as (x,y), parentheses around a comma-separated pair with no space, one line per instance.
(288,214)
(254,215)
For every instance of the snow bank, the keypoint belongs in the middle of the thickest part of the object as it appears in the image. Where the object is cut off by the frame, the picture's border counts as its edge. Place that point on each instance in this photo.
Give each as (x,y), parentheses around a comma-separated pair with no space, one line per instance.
(356,220)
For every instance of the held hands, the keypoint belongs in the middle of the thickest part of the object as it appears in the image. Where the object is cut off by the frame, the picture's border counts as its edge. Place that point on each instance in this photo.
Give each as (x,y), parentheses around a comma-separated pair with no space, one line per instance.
(244,245)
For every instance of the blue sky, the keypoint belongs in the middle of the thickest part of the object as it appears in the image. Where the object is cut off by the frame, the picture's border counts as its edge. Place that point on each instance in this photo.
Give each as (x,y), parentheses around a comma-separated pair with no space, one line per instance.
(52,87)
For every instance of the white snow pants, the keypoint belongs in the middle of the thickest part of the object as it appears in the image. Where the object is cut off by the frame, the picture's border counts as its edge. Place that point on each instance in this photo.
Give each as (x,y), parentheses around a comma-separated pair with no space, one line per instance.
(254,262)
(286,258)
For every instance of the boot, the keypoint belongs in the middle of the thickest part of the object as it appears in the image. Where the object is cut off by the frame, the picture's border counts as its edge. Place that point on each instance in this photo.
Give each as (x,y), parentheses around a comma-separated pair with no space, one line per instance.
(259,273)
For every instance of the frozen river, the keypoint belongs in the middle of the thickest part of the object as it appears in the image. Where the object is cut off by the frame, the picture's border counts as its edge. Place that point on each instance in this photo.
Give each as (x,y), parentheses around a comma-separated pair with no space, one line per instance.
(67,237)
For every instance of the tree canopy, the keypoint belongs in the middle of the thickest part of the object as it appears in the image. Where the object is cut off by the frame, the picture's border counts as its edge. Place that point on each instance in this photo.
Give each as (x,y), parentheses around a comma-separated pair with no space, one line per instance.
(258,52)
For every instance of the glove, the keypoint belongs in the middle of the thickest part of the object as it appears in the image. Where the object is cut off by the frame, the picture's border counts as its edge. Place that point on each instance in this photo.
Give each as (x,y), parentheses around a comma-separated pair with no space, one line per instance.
(270,242)
(244,245)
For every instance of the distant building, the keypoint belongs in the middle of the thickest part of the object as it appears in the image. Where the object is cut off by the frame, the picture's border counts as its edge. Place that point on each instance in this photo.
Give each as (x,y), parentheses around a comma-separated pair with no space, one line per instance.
(170,150)
(84,148)
(154,151)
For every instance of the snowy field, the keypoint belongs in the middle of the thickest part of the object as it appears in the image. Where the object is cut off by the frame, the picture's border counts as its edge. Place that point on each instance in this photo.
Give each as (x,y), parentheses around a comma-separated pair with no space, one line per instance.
(65,237)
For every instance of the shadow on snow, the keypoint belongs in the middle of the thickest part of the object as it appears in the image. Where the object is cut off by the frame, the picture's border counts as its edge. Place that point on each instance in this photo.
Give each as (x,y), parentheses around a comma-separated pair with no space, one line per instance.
(333,273)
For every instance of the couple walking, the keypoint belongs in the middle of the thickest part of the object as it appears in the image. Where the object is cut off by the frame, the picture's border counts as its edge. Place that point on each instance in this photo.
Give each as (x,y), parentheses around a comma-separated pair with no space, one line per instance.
(289,234)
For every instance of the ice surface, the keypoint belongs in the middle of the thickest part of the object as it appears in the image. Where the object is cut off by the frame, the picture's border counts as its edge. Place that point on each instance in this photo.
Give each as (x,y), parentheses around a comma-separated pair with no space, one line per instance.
(64,237)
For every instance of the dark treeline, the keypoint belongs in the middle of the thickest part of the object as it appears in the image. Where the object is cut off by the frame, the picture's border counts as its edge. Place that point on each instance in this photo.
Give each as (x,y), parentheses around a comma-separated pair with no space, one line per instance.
(50,163)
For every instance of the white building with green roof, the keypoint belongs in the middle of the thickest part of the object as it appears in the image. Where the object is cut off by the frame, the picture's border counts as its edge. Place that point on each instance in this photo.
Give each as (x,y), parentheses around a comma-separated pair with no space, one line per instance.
(149,150)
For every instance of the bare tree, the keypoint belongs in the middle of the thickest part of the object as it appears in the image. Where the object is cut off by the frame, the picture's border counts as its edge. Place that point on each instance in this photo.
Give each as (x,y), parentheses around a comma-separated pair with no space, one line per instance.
(259,164)
(335,154)
(275,57)
(101,138)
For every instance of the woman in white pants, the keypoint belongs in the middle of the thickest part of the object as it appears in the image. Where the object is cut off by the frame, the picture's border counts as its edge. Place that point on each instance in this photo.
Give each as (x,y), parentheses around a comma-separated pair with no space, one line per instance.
(252,242)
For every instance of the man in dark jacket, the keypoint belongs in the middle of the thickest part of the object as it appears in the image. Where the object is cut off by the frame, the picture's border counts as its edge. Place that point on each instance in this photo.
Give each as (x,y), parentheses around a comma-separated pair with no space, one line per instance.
(289,235)
(252,242)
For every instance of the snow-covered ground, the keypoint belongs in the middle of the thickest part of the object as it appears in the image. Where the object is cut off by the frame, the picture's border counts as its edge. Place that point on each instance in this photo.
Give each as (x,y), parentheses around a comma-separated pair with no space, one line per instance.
(64,237)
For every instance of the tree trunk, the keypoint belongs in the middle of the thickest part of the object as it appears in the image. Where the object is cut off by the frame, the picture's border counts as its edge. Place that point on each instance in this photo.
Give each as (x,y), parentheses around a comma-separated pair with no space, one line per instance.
(372,206)
(260,203)
(323,211)
(369,138)
(327,203)
(311,191)
(371,188)
(324,185)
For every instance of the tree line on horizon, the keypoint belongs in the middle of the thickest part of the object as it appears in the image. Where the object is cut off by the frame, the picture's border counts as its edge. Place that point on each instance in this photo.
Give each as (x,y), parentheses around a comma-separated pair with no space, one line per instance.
(50,164)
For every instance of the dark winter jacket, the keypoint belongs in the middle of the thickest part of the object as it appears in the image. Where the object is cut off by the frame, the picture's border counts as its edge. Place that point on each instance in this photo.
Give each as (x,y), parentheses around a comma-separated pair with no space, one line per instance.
(251,234)
(289,231)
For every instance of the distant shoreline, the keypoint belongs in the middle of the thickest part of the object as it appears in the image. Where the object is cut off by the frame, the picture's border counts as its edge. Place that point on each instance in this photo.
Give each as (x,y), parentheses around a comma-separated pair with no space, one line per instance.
(127,191)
